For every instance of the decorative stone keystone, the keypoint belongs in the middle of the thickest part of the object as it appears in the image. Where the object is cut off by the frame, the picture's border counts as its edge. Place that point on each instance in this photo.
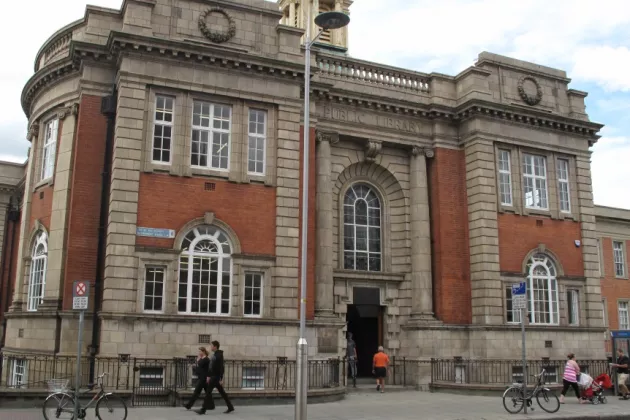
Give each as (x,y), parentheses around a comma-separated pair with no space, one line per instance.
(372,150)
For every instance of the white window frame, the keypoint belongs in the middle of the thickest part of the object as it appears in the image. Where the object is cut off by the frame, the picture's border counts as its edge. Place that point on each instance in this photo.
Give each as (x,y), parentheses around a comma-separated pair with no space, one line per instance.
(548,285)
(49,148)
(619,259)
(516,313)
(150,376)
(355,226)
(564,190)
(19,370)
(605,312)
(162,123)
(253,377)
(505,177)
(622,315)
(219,241)
(599,258)
(37,272)
(535,183)
(153,296)
(573,307)
(249,275)
(211,131)
(257,136)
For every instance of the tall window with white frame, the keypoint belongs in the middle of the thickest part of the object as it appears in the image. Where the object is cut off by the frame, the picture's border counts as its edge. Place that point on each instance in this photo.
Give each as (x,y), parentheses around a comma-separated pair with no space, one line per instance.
(542,293)
(619,258)
(49,149)
(535,182)
(505,177)
(257,142)
(18,372)
(599,257)
(154,289)
(563,186)
(573,307)
(37,275)
(362,229)
(205,272)
(622,313)
(163,129)
(210,146)
(253,293)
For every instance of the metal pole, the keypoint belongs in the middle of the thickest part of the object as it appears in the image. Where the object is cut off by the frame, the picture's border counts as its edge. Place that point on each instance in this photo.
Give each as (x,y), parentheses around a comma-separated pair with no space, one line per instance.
(301,386)
(77,383)
(523,313)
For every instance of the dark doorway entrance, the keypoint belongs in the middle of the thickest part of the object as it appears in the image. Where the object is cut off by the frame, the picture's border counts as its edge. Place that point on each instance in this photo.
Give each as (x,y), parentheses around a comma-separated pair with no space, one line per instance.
(365,322)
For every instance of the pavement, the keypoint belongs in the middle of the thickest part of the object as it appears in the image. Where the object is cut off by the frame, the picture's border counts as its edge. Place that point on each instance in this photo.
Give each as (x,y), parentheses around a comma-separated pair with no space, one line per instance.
(371,405)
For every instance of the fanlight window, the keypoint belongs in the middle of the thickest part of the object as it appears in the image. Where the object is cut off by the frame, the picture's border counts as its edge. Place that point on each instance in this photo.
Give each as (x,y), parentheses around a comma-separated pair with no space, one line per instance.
(37,275)
(362,229)
(205,272)
(542,293)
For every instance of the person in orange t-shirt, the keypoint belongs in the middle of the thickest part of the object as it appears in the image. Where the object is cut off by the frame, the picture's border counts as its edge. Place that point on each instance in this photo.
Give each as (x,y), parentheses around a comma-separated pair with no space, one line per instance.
(379,368)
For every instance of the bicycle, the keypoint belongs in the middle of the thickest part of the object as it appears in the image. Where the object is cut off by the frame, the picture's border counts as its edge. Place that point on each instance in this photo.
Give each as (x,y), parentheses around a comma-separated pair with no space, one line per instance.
(514,397)
(60,403)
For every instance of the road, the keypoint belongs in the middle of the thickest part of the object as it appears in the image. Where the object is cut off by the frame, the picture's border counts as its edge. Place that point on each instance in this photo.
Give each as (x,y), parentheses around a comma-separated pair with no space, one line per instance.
(373,406)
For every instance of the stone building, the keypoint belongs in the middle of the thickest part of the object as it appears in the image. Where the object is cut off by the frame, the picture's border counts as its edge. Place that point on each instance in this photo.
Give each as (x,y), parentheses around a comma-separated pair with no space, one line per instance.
(165,169)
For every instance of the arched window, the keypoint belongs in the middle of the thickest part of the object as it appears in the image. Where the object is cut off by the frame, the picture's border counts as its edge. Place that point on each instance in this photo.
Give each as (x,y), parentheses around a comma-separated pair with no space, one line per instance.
(542,293)
(37,275)
(205,272)
(362,229)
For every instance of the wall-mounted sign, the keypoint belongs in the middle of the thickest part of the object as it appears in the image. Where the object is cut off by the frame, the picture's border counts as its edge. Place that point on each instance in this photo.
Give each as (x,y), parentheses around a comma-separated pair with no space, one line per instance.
(155,233)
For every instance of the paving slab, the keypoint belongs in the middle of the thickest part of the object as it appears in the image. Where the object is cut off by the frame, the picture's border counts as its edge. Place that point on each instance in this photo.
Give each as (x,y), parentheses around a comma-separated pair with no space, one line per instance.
(410,405)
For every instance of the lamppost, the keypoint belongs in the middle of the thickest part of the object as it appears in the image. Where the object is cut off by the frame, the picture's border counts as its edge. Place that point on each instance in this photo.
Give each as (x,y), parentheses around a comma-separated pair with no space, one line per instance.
(325,21)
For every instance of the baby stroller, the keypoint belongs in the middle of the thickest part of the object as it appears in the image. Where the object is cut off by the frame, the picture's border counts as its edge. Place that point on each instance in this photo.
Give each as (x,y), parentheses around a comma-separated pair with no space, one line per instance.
(593,389)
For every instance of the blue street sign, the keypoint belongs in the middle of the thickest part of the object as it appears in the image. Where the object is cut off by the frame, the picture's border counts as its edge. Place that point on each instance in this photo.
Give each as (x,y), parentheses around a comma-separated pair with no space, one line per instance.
(155,233)
(519,289)
(620,334)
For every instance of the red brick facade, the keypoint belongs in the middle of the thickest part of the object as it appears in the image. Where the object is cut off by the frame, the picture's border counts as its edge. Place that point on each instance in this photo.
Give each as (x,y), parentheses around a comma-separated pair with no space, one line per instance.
(249,209)
(41,207)
(312,228)
(85,196)
(518,235)
(10,259)
(449,232)
(613,288)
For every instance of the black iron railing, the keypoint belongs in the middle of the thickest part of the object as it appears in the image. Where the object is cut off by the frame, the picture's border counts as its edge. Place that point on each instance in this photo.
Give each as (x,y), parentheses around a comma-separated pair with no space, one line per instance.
(505,372)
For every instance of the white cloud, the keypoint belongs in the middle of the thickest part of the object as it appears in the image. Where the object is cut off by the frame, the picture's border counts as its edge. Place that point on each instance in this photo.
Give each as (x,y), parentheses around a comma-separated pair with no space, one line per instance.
(610,172)
(608,66)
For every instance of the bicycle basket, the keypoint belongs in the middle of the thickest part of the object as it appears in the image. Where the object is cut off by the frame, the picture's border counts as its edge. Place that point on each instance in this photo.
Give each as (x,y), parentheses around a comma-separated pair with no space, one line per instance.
(57,385)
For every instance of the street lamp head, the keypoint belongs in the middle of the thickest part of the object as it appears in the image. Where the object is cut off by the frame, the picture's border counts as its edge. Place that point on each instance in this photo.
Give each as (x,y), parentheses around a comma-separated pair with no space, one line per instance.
(332,20)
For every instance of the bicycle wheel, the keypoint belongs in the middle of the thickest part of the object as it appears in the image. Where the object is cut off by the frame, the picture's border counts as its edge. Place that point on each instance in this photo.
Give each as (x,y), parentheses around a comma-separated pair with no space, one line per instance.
(110,407)
(513,400)
(59,406)
(549,401)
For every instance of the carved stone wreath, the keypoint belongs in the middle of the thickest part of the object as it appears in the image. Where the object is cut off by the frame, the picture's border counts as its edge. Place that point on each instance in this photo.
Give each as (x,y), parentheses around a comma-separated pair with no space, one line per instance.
(217,37)
(527,98)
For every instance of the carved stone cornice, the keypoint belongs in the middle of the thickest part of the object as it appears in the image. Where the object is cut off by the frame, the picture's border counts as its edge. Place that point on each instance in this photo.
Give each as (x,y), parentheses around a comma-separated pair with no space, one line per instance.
(33,131)
(329,136)
(372,150)
(69,110)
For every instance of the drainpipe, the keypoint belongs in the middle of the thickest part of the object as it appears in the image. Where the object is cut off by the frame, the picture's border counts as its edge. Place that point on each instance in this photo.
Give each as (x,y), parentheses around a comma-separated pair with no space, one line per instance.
(108,109)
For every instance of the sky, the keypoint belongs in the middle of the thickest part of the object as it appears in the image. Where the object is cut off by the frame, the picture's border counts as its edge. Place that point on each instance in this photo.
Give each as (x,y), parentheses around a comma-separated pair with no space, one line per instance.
(589,39)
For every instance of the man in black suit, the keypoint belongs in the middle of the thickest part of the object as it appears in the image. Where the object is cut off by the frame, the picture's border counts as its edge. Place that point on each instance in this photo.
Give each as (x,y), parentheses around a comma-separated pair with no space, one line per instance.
(215,380)
(202,370)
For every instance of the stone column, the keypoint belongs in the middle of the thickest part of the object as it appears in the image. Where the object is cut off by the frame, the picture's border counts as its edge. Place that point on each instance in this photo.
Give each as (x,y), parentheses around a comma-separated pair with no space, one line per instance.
(324,284)
(420,229)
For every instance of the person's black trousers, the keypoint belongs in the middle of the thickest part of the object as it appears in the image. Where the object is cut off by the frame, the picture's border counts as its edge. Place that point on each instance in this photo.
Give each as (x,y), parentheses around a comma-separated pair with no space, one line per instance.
(208,402)
(201,386)
(566,384)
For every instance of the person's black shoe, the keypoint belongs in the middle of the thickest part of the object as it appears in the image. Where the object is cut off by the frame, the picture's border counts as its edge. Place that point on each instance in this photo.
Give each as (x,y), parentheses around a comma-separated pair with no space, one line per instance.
(201,411)
(187,407)
(229,410)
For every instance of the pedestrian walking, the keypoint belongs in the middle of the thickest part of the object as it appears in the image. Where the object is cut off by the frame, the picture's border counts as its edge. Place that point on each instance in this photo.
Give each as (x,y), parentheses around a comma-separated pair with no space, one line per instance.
(351,355)
(215,380)
(379,368)
(622,373)
(570,378)
(202,369)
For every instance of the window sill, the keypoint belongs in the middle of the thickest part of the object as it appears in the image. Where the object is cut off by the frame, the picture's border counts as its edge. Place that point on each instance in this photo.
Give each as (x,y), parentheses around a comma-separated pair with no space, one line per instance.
(48,182)
(216,173)
(368,275)
(537,212)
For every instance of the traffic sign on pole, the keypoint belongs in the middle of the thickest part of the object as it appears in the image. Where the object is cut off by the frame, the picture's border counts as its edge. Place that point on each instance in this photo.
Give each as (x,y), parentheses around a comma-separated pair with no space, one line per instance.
(80,293)
(519,302)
